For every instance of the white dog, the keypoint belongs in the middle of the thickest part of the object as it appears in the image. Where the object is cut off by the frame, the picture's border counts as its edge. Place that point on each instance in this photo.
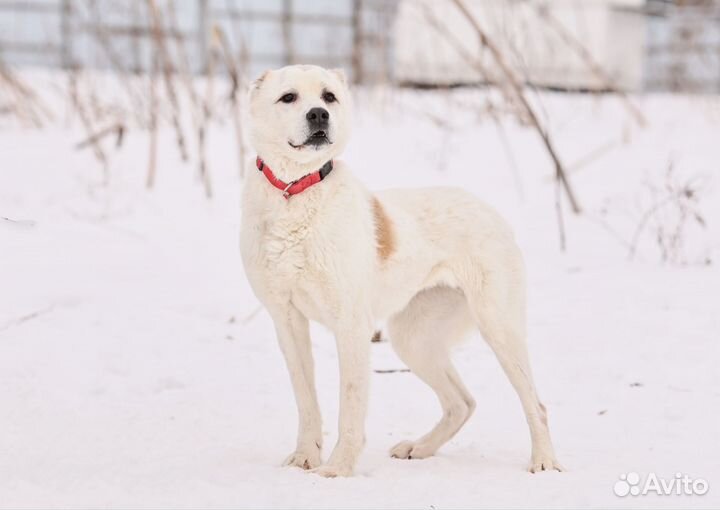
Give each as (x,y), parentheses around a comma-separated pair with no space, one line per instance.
(317,245)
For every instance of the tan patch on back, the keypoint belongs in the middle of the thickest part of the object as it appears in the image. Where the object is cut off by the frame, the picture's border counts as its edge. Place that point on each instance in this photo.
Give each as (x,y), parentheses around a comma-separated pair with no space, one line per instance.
(384,236)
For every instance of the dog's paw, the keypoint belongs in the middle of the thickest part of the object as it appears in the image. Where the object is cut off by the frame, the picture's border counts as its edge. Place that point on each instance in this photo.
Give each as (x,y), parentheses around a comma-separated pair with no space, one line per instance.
(305,459)
(332,471)
(411,450)
(544,463)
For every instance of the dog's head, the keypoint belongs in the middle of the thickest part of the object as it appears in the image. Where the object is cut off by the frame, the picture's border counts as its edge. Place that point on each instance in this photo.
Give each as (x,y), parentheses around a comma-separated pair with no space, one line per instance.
(300,113)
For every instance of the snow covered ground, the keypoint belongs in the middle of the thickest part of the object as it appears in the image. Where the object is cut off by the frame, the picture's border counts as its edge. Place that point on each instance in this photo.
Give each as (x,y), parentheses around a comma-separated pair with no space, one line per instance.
(135,371)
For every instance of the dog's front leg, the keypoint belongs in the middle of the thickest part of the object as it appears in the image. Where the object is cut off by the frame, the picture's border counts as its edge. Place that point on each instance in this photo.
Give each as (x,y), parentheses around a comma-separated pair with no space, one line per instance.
(294,337)
(353,344)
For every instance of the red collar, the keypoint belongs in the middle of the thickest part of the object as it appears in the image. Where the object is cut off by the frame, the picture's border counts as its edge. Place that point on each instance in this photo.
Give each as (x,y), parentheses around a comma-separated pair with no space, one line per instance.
(298,185)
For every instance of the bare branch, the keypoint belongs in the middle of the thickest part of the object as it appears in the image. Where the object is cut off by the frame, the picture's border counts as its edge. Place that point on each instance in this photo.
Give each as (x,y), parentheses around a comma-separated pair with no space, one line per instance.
(25,318)
(117,129)
(520,96)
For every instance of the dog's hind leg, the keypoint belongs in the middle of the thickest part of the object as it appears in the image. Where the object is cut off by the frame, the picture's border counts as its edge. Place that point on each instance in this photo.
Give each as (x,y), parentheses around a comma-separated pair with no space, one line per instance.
(497,301)
(422,335)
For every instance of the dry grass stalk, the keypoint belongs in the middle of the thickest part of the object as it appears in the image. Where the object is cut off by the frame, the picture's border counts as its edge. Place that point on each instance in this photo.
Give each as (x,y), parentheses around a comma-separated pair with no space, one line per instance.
(25,104)
(117,129)
(200,111)
(153,124)
(519,94)
(219,39)
(674,209)
(86,119)
(168,71)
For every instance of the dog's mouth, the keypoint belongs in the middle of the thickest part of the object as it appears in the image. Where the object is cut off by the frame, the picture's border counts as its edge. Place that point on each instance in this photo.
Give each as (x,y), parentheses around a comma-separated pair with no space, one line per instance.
(316,140)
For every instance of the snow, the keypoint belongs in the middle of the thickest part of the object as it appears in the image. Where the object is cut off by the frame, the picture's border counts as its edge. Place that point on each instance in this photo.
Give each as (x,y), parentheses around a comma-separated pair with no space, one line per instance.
(137,372)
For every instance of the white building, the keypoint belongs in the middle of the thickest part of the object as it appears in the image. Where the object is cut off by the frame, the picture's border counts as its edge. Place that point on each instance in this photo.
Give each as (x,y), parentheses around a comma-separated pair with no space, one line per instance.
(429,32)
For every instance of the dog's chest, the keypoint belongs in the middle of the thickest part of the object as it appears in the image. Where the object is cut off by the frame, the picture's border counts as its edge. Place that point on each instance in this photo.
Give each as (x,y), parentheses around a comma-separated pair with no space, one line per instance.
(293,263)
(288,245)
(285,246)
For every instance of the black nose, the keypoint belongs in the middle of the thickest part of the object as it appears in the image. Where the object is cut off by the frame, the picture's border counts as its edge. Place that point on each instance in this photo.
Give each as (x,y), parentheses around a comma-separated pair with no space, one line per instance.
(318,117)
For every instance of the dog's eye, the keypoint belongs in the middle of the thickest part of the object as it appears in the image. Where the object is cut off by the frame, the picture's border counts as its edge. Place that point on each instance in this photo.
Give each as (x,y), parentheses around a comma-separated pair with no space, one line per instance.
(290,97)
(329,97)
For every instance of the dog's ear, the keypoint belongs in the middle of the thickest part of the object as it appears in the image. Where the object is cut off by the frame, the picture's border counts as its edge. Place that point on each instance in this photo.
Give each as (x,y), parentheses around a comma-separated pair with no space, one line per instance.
(340,73)
(255,85)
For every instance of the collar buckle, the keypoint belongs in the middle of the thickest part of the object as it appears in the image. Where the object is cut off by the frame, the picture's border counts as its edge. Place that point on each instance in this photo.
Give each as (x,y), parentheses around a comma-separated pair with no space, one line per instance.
(286,191)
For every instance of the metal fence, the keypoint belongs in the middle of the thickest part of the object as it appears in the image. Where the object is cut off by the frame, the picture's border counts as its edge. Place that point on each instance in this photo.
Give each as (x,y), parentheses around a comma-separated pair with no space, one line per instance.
(354,34)
(683,47)
(682,43)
